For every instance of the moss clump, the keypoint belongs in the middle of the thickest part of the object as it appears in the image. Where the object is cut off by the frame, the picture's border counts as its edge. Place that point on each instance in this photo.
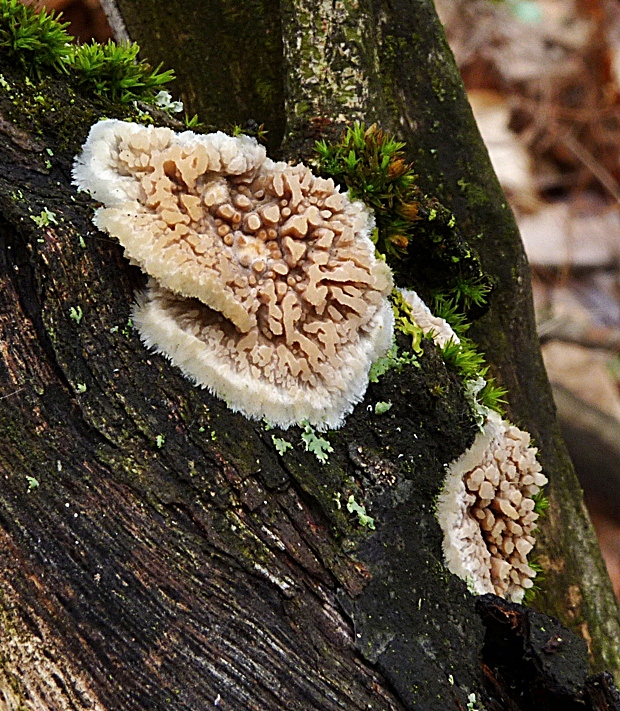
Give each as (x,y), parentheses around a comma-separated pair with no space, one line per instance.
(418,236)
(113,70)
(39,42)
(419,239)
(465,359)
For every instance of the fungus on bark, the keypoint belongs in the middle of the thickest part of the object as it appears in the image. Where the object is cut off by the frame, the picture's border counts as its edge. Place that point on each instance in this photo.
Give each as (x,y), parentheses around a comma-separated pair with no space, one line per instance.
(486,511)
(264,284)
(440,329)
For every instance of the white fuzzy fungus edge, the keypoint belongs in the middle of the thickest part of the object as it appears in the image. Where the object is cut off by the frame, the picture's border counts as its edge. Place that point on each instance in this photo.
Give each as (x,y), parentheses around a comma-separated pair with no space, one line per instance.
(264,284)
(322,406)
(440,329)
(486,511)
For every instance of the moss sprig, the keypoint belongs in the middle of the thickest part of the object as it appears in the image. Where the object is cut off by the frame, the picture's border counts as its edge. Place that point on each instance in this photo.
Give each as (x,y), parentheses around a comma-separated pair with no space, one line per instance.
(531,593)
(469,362)
(251,128)
(541,503)
(463,357)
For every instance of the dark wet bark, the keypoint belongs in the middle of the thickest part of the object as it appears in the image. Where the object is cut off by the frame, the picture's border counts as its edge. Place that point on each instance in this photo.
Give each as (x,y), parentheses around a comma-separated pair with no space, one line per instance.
(157,552)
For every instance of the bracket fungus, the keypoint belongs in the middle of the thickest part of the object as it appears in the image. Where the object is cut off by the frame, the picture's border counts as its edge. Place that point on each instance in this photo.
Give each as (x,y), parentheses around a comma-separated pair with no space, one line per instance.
(486,511)
(264,286)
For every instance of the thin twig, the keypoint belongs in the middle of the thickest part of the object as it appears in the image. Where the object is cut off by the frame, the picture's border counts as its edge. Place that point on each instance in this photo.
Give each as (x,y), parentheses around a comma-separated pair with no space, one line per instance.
(604,177)
(4,397)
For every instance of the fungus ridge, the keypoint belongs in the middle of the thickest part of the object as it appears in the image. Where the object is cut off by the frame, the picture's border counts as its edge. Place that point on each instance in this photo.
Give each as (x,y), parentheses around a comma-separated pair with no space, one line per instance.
(207,348)
(274,265)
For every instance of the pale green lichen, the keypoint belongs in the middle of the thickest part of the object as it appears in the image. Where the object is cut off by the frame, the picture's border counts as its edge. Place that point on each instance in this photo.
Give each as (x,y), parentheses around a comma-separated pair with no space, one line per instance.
(45,218)
(319,446)
(382,407)
(360,511)
(473,388)
(281,445)
(473,704)
(164,101)
(391,360)
(75,314)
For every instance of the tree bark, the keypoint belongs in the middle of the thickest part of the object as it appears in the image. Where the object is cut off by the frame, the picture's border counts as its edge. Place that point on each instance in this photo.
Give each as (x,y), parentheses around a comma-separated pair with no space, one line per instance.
(167,557)
(390,63)
(227,56)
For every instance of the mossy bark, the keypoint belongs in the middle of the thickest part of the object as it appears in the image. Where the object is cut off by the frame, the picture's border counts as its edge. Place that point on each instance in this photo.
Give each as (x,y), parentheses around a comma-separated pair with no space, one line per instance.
(157,551)
(408,82)
(453,165)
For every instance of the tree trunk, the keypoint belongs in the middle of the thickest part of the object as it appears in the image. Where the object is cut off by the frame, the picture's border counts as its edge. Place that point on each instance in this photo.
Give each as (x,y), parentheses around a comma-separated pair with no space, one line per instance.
(158,552)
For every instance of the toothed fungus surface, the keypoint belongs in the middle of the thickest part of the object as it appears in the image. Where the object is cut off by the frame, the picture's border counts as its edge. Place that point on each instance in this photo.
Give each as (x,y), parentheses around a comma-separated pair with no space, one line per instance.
(486,511)
(422,315)
(264,283)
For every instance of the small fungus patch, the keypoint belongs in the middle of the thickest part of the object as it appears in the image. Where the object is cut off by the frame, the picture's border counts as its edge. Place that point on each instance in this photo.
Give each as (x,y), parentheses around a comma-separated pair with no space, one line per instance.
(486,511)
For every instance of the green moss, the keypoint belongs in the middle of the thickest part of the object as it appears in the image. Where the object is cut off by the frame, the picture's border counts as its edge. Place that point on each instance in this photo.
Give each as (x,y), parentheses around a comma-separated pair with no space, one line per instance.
(418,236)
(302,108)
(415,233)
(58,108)
(113,70)
(476,196)
(438,88)
(39,43)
